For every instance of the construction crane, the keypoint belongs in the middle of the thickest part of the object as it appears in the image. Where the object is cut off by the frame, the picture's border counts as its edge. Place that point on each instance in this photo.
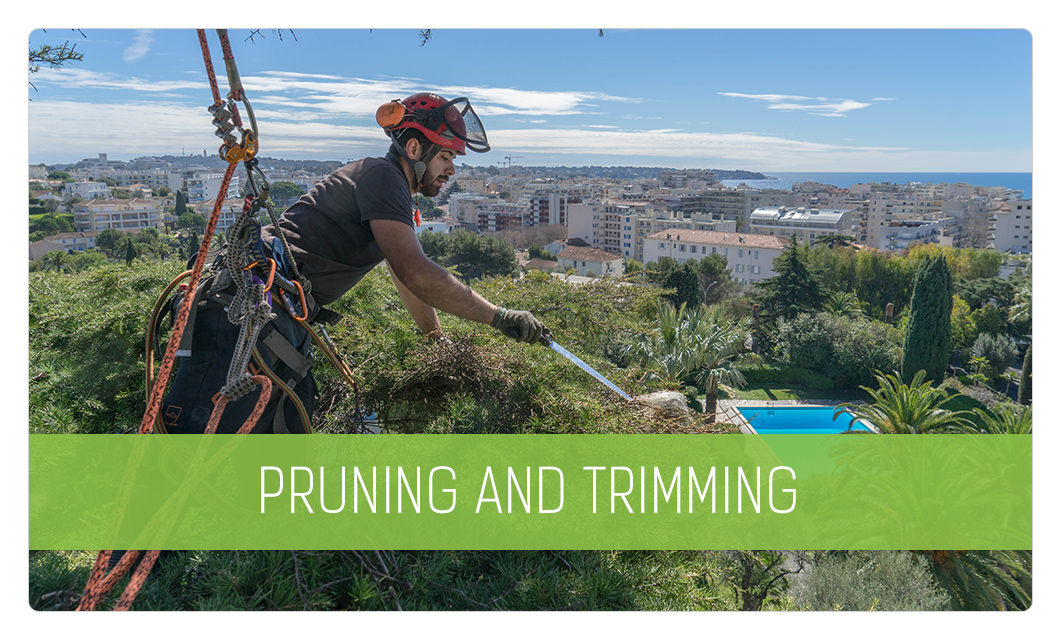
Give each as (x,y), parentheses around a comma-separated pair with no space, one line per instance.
(508,159)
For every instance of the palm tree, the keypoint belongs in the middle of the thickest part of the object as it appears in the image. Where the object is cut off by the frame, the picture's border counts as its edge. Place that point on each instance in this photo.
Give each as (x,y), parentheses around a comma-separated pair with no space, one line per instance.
(670,351)
(1004,420)
(56,259)
(983,580)
(897,407)
(843,303)
(696,343)
(716,355)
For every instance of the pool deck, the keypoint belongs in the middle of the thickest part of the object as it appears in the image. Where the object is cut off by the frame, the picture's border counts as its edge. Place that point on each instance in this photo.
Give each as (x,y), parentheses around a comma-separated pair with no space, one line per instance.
(729,409)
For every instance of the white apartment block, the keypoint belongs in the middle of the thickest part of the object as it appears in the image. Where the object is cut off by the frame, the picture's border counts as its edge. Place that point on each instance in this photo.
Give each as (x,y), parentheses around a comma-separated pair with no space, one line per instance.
(154,178)
(766,199)
(97,215)
(437,226)
(902,234)
(204,186)
(1011,228)
(806,224)
(588,261)
(464,207)
(621,227)
(86,190)
(749,256)
(230,211)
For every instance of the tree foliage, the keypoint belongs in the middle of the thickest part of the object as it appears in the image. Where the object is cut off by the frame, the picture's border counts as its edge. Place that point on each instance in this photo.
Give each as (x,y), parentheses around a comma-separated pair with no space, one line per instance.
(897,407)
(284,193)
(928,340)
(998,350)
(794,290)
(849,350)
(869,581)
(474,255)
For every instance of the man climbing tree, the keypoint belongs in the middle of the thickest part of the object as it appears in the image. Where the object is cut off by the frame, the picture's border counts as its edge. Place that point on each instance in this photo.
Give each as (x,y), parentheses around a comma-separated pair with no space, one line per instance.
(358,216)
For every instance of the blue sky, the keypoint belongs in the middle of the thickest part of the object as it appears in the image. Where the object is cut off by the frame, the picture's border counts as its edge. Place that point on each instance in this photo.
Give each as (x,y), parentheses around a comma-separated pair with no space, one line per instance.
(770,100)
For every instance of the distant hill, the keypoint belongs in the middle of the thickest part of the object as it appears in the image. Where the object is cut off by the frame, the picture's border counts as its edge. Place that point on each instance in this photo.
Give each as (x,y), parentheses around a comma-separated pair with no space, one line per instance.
(618,173)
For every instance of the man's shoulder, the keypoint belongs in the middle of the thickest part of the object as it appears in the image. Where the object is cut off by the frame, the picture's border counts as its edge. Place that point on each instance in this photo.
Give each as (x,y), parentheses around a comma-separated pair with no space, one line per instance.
(365,166)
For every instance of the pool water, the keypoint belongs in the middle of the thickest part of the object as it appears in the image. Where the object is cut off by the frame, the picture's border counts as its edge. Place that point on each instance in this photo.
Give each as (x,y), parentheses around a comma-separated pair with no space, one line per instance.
(766,420)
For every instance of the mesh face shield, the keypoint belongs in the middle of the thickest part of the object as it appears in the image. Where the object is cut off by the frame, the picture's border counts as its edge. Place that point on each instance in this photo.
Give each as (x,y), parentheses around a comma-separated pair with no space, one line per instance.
(462,122)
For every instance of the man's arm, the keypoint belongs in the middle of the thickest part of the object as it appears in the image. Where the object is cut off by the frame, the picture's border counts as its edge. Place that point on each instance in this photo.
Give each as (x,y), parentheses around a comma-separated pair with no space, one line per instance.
(426,280)
(424,315)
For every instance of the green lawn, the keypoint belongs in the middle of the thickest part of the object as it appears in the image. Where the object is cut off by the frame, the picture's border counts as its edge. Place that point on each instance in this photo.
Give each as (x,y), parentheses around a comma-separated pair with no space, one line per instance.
(788,391)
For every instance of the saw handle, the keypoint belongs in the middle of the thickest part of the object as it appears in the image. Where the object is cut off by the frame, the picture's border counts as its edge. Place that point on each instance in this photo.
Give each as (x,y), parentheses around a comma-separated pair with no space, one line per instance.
(546,338)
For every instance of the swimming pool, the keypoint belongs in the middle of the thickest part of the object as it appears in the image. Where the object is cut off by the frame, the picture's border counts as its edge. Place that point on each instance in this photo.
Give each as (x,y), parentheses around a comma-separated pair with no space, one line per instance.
(772,420)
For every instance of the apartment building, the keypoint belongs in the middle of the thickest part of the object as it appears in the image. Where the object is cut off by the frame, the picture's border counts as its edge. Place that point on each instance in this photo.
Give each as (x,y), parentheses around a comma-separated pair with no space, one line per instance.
(891,207)
(1011,227)
(724,204)
(205,185)
(499,214)
(464,207)
(902,234)
(549,203)
(804,223)
(230,211)
(97,215)
(589,261)
(621,227)
(86,190)
(74,240)
(749,256)
(154,178)
(766,199)
(687,178)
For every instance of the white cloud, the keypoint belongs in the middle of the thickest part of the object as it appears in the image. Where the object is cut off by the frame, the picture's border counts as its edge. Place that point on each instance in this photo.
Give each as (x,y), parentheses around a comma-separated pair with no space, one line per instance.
(69,130)
(825,107)
(767,97)
(140,46)
(74,78)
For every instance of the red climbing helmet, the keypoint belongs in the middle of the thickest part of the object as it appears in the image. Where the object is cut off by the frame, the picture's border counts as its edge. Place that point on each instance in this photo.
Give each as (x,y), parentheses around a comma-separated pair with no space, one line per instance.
(451,124)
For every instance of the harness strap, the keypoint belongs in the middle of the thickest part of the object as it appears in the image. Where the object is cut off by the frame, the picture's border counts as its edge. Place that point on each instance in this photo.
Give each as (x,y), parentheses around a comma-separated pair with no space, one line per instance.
(285,351)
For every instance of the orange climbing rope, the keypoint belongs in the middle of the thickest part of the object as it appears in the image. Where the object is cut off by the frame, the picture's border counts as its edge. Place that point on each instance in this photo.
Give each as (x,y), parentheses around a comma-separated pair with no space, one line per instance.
(100,580)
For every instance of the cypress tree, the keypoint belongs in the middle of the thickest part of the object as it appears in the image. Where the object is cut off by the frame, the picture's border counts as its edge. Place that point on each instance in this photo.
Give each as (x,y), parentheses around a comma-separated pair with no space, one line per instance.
(1025,379)
(927,342)
(130,252)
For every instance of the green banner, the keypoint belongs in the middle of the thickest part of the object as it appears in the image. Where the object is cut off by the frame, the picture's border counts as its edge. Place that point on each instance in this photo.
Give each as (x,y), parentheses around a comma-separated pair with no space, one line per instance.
(530,492)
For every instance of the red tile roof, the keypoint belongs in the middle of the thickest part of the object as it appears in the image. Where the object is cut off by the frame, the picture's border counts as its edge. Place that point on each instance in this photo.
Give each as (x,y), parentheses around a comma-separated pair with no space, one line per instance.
(757,240)
(588,254)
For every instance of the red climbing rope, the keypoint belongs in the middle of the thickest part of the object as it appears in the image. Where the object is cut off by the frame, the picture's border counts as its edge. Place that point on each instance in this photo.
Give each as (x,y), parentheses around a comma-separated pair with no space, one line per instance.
(100,580)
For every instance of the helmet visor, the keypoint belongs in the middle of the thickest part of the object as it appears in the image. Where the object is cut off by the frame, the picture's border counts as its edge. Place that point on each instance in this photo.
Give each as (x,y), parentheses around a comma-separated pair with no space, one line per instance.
(463,123)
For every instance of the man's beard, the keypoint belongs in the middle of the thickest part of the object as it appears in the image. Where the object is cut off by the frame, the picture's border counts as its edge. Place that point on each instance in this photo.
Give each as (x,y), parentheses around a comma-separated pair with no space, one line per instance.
(429,186)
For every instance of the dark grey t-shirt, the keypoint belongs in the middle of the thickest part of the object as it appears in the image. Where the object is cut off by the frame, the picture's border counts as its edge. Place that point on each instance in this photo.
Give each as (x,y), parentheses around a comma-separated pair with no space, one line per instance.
(328,228)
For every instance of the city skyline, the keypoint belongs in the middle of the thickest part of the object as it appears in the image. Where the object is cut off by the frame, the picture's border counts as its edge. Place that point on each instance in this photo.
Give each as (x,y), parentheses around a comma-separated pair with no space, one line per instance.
(785,100)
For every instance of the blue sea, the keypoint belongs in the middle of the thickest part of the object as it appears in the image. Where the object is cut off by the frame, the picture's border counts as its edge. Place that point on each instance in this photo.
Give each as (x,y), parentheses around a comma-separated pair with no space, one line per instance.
(785,179)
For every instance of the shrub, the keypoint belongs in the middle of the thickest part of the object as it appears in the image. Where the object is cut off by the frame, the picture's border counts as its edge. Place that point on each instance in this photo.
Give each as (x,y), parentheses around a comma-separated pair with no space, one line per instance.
(846,350)
(997,349)
(869,581)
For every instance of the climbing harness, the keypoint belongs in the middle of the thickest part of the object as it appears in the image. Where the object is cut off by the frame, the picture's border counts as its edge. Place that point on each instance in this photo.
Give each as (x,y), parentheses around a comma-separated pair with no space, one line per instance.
(258,280)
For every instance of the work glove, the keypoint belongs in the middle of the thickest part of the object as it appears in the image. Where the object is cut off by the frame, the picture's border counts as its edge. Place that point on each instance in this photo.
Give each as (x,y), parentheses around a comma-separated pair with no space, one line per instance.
(520,326)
